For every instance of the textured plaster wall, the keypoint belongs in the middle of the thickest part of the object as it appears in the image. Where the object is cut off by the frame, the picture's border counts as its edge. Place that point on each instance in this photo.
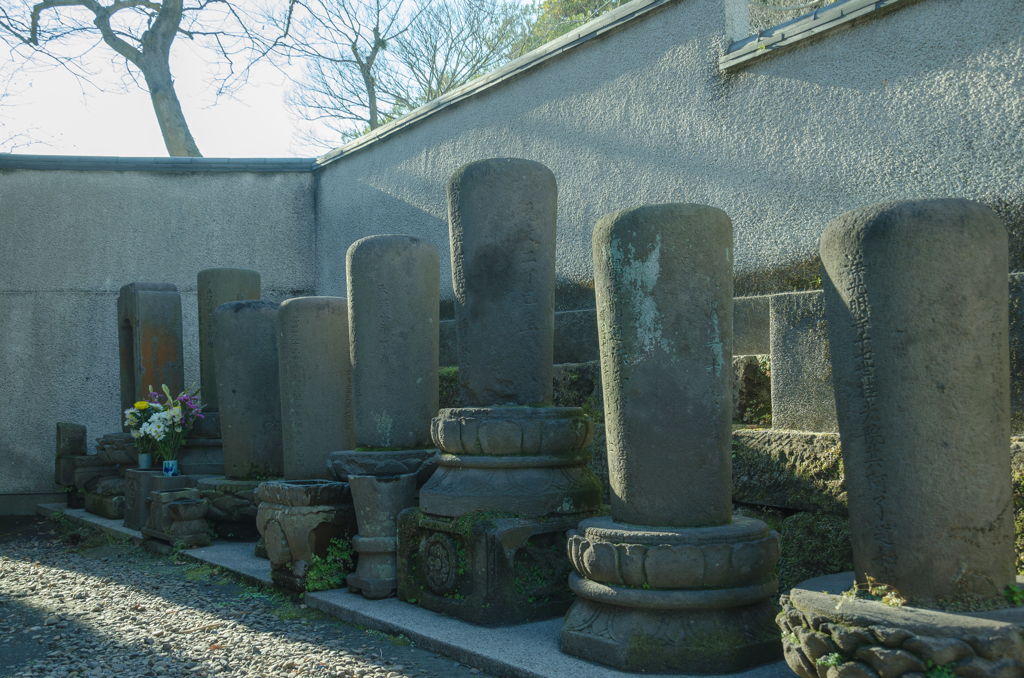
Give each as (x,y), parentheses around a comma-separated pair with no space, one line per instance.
(71,239)
(923,101)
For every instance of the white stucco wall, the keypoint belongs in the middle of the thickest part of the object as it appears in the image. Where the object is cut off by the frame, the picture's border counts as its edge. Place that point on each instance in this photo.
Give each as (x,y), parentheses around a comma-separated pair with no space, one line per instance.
(71,239)
(924,101)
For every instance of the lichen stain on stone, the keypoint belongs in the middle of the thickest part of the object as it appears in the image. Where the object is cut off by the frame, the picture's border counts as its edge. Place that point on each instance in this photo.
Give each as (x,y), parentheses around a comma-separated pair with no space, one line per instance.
(637,278)
(716,342)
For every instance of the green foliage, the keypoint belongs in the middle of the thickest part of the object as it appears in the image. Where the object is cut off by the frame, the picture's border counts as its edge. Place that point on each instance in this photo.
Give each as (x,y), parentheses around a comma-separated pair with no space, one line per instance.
(449,394)
(935,671)
(330,572)
(1014,595)
(873,590)
(833,659)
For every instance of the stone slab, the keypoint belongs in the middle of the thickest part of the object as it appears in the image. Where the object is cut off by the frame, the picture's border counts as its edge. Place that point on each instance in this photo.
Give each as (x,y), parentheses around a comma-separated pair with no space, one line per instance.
(522,651)
(802,395)
(751,328)
(794,470)
(216,286)
(114,528)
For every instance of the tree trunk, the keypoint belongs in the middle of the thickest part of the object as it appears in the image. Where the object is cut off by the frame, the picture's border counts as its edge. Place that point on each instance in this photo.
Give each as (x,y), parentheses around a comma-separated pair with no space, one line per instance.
(177,137)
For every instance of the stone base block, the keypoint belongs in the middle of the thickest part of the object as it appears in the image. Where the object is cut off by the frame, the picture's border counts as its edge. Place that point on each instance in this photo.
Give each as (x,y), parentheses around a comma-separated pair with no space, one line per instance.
(138,485)
(297,520)
(794,470)
(201,457)
(111,507)
(485,568)
(233,507)
(826,635)
(672,640)
(687,600)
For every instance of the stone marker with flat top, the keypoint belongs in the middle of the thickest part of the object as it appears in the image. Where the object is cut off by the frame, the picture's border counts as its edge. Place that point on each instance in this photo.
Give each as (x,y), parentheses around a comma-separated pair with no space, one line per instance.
(149,340)
(393,287)
(916,300)
(802,395)
(216,286)
(487,543)
(501,216)
(671,581)
(245,351)
(316,393)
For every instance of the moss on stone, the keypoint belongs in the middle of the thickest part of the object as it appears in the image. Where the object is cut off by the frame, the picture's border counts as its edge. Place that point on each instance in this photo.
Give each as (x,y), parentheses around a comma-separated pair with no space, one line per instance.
(788,469)
(813,545)
(449,394)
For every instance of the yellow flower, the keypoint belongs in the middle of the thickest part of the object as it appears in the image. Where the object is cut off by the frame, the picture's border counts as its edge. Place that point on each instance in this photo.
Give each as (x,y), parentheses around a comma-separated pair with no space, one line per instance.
(141,405)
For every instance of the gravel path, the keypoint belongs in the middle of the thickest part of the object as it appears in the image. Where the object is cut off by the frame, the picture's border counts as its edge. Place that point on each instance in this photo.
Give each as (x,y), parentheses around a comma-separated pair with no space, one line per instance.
(75,604)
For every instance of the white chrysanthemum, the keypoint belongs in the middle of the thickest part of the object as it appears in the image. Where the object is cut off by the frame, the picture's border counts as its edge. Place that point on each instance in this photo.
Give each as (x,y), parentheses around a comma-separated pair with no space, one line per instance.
(136,434)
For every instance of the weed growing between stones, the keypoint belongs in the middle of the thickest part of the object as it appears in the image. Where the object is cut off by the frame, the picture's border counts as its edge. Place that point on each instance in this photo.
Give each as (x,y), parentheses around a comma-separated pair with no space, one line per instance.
(1018,518)
(330,571)
(833,659)
(873,590)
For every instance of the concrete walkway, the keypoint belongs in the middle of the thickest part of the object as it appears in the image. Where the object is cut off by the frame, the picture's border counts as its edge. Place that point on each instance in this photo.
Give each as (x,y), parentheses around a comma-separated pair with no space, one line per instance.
(523,651)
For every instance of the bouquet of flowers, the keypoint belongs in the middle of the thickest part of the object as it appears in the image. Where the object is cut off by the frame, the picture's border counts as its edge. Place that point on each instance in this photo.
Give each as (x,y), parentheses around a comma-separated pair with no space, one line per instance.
(160,427)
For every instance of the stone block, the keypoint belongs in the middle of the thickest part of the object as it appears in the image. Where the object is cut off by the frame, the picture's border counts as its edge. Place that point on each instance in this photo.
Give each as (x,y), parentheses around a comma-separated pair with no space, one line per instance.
(233,506)
(105,506)
(201,457)
(138,486)
(792,470)
(802,395)
(316,393)
(751,334)
(117,449)
(89,471)
(297,521)
(487,569)
(70,439)
(245,350)
(216,286)
(159,522)
(149,340)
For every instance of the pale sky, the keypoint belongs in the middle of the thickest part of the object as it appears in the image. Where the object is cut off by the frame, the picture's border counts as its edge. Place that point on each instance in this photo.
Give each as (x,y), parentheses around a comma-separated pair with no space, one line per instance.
(64,121)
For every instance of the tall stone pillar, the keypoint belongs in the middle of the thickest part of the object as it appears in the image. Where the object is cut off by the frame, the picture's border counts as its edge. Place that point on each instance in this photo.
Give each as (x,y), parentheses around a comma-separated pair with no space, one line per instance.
(486,543)
(149,340)
(316,388)
(245,351)
(393,287)
(916,297)
(216,286)
(671,581)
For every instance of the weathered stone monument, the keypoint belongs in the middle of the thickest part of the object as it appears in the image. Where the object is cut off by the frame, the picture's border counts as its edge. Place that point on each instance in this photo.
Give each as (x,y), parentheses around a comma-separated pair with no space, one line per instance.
(316,389)
(487,543)
(216,286)
(916,300)
(149,340)
(245,351)
(917,314)
(393,288)
(671,581)
(802,394)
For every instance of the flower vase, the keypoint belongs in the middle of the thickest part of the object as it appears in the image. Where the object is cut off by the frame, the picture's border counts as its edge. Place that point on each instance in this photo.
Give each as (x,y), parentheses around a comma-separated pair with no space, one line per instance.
(145,460)
(171,467)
